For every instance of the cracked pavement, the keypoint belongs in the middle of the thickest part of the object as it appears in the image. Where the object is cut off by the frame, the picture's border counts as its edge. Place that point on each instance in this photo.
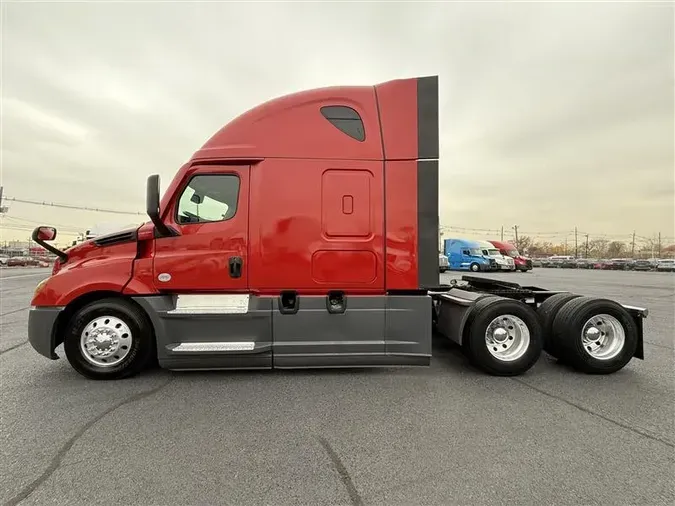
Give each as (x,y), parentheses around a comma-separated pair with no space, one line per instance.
(440,435)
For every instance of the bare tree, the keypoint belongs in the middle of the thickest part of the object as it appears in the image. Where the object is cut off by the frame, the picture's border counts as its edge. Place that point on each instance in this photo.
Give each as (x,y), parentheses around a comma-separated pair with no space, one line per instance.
(615,249)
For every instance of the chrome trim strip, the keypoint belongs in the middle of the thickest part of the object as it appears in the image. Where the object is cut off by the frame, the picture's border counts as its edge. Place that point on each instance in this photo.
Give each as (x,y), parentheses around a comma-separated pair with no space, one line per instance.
(211,304)
(213,347)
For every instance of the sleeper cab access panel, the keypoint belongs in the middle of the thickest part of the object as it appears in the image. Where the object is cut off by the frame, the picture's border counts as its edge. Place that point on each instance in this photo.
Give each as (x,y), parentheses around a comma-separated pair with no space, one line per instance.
(289,331)
(323,233)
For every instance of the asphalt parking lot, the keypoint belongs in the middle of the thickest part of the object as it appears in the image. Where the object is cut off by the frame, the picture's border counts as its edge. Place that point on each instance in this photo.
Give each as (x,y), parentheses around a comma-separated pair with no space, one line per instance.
(444,435)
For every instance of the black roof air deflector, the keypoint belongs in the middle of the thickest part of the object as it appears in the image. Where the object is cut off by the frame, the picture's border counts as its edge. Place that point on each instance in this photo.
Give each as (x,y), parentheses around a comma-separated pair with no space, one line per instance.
(345,119)
(427,118)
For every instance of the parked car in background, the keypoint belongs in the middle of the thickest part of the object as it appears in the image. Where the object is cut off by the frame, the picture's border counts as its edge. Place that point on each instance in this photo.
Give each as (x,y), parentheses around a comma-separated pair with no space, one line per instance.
(569,263)
(443,263)
(3,260)
(618,264)
(522,263)
(16,262)
(645,264)
(585,263)
(558,260)
(666,265)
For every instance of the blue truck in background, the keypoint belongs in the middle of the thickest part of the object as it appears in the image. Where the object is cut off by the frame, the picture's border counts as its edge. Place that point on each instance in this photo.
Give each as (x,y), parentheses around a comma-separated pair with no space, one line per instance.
(466,255)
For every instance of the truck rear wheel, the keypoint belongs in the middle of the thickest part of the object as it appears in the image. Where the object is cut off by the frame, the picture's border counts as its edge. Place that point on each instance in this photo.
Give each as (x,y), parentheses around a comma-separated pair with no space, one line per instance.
(503,337)
(597,336)
(109,339)
(547,312)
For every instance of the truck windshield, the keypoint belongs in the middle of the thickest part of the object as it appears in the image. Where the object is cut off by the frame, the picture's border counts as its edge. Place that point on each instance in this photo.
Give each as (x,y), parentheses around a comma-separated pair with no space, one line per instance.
(491,252)
(513,253)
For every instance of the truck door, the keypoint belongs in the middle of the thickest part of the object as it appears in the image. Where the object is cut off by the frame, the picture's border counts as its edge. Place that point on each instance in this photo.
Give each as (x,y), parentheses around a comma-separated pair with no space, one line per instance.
(208,318)
(211,213)
(465,259)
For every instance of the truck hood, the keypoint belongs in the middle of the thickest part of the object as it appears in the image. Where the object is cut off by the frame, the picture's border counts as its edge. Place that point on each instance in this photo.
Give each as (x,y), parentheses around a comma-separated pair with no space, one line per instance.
(106,240)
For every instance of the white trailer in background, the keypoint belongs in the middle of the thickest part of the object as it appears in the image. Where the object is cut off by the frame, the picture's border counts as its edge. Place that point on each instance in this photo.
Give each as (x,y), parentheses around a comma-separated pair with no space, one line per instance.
(102,229)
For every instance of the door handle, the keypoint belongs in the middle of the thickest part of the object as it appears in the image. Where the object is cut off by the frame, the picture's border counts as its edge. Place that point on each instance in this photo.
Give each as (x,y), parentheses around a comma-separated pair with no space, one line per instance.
(235,267)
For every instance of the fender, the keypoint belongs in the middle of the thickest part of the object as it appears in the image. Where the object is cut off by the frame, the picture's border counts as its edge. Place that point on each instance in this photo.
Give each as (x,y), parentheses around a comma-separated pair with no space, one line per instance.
(104,269)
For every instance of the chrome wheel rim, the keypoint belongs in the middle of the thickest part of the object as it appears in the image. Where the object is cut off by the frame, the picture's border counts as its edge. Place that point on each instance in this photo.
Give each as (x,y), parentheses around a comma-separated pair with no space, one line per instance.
(603,337)
(507,338)
(105,341)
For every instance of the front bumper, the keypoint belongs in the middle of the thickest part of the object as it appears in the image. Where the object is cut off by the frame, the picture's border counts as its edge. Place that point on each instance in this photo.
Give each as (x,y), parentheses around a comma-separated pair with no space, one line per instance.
(41,330)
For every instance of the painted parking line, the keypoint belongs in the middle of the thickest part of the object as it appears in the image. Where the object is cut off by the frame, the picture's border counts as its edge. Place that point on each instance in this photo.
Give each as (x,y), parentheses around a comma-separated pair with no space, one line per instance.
(45,274)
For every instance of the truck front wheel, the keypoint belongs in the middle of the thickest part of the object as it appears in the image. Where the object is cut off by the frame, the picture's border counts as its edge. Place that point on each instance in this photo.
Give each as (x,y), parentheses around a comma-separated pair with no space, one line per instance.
(109,339)
(475,267)
(597,336)
(504,336)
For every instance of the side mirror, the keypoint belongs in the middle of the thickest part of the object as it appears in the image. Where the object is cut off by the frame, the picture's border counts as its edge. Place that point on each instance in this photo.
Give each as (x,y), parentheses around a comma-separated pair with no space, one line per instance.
(45,234)
(152,206)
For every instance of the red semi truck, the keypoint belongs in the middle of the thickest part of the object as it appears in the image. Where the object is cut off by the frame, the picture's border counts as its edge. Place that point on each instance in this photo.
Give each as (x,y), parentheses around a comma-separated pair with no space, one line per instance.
(304,233)
(523,264)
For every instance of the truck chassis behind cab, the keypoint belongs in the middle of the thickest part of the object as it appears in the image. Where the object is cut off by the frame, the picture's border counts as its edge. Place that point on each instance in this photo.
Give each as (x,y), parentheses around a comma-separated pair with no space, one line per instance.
(304,234)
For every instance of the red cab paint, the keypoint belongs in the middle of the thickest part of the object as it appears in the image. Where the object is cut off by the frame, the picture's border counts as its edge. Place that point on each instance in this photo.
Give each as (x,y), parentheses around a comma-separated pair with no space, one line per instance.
(328,188)
(523,263)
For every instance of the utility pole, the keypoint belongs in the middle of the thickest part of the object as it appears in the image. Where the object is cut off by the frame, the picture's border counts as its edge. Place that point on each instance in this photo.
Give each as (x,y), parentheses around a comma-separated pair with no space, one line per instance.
(565,245)
(586,245)
(576,244)
(2,209)
(632,247)
(515,228)
(502,233)
(659,244)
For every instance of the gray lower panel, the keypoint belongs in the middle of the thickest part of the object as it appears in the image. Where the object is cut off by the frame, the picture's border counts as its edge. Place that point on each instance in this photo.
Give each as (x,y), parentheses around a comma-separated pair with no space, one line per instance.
(41,327)
(373,331)
(313,337)
(409,325)
(219,329)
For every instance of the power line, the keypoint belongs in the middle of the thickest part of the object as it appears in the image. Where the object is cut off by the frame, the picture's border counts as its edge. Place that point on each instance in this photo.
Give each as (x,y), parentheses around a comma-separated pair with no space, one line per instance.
(16,220)
(67,206)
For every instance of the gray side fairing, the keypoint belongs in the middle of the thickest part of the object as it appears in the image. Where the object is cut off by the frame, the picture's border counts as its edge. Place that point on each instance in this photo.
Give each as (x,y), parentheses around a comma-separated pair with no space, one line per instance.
(173,329)
(453,309)
(373,331)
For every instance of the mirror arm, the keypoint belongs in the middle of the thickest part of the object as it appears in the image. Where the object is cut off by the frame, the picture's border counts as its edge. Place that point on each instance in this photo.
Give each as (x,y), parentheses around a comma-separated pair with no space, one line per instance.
(152,208)
(61,254)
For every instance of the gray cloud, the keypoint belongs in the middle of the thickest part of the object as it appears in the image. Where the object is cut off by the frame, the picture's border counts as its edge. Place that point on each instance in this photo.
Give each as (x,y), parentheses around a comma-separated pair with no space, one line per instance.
(552,115)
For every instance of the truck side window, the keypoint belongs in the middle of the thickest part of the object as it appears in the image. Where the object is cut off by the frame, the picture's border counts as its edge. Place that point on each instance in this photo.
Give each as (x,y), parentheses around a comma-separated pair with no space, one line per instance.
(345,119)
(208,198)
(466,252)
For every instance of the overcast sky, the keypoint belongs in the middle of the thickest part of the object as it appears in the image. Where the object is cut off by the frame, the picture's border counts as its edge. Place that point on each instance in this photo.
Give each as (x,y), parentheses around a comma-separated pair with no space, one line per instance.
(552,115)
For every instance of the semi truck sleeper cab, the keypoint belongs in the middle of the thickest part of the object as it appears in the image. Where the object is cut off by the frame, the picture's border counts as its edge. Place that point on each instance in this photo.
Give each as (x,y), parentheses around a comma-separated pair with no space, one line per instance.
(304,233)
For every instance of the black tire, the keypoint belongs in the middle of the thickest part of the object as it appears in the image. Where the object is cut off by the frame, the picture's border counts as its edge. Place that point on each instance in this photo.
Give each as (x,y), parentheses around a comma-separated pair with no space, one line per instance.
(474,267)
(443,269)
(547,313)
(567,332)
(141,350)
(484,312)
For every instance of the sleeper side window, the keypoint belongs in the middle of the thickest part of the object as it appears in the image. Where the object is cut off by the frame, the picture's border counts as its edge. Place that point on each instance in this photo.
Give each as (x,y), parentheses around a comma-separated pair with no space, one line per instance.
(208,198)
(345,119)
